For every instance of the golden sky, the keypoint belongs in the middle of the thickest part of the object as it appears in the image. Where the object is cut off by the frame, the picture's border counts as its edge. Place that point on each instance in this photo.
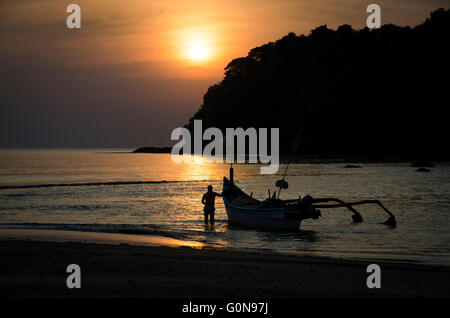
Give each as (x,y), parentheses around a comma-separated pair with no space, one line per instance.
(170,50)
(163,32)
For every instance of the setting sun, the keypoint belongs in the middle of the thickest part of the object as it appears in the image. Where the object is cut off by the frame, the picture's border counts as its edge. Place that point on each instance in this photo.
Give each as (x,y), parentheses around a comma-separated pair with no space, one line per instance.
(198,51)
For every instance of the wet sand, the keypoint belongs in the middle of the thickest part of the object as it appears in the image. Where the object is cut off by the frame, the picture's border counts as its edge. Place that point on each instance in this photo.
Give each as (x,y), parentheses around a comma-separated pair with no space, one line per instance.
(38,269)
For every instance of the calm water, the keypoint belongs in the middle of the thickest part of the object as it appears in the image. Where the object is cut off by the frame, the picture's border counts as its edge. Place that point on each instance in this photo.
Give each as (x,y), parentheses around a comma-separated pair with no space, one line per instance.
(122,193)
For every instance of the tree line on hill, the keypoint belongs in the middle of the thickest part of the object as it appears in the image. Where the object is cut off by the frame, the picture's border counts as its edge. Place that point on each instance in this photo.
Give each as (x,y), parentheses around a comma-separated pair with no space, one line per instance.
(380,92)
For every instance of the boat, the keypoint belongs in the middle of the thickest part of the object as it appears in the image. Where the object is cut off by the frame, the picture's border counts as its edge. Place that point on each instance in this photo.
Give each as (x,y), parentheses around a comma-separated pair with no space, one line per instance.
(272,213)
(276,214)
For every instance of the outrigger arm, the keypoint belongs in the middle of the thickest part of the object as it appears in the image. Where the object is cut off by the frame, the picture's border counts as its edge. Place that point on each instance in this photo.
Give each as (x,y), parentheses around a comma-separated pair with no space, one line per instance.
(349,205)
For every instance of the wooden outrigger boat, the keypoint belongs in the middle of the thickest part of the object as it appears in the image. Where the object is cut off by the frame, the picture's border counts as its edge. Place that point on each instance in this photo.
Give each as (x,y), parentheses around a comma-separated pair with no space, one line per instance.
(276,214)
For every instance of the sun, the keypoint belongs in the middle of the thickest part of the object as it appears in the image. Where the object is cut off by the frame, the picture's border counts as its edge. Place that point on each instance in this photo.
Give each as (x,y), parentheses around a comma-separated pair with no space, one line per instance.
(198,51)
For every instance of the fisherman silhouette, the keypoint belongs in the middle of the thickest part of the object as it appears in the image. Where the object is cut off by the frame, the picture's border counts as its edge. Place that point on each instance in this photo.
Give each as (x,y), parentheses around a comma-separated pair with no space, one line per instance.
(208,200)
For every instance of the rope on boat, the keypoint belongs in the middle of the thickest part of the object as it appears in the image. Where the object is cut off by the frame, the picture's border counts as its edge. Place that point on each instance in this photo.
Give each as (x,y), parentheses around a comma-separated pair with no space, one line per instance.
(357,217)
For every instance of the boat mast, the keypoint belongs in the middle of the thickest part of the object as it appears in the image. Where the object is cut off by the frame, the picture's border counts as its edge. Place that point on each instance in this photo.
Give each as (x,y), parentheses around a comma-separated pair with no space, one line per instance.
(295,143)
(231,175)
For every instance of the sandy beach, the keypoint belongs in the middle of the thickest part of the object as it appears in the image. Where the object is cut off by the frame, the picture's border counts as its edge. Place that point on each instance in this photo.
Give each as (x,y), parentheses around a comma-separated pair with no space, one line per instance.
(117,269)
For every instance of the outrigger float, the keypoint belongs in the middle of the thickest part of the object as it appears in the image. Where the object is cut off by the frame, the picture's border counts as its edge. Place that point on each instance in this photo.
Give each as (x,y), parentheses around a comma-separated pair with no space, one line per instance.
(276,214)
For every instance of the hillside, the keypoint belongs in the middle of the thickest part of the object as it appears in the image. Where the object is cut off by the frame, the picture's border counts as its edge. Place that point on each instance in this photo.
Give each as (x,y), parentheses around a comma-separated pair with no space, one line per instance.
(353,92)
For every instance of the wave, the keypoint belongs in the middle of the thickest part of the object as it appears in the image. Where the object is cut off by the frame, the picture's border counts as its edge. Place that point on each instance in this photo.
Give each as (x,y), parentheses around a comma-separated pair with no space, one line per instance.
(147,229)
(87,184)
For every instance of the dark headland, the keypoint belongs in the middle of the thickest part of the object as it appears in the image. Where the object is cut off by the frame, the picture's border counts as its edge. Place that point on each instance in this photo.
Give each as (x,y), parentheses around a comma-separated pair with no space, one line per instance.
(371,93)
(355,95)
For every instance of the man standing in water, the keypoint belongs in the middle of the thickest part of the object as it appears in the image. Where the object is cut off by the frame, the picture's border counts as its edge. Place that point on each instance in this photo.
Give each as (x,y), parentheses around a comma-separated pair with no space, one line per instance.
(208,200)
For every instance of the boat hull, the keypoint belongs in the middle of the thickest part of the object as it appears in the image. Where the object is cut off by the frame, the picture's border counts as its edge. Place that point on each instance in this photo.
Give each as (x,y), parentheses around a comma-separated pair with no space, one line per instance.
(272,219)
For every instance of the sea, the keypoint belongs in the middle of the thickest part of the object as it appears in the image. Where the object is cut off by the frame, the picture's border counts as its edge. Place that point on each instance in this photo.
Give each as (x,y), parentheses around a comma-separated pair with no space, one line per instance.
(116,191)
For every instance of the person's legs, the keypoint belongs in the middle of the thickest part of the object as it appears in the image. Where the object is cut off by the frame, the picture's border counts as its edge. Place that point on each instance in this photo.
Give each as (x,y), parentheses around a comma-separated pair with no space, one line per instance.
(206,211)
(209,211)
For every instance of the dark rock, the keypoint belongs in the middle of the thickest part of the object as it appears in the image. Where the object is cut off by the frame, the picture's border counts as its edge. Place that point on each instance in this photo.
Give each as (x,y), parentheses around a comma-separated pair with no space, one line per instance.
(423,170)
(153,150)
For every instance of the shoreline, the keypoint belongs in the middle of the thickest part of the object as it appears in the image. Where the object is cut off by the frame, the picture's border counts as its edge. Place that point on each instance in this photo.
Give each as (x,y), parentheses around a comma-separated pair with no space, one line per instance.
(109,238)
(65,236)
(118,269)
(151,240)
